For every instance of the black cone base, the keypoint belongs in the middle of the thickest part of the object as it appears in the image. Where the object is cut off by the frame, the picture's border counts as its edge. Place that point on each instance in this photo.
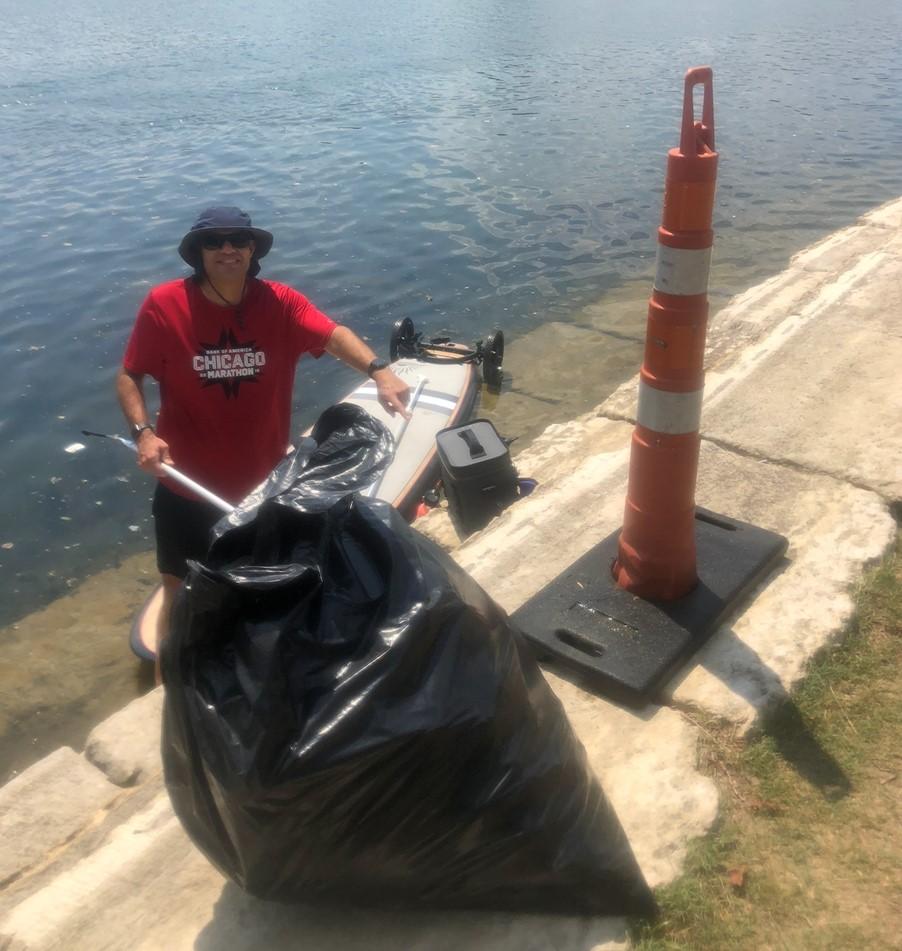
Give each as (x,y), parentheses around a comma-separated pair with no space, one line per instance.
(625,647)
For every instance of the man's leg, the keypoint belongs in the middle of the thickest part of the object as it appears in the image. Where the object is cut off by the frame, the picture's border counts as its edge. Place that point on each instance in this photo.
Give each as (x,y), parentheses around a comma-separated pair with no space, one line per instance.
(170,586)
(182,529)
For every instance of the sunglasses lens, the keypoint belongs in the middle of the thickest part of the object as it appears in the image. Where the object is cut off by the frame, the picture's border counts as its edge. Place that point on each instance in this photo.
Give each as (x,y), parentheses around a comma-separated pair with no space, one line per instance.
(213,242)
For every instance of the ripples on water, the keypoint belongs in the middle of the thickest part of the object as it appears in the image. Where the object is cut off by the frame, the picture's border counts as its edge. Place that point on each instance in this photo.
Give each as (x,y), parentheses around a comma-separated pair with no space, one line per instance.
(469,164)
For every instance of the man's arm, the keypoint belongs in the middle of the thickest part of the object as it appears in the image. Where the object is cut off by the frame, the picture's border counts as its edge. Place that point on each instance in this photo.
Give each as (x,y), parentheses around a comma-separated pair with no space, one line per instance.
(393,392)
(151,449)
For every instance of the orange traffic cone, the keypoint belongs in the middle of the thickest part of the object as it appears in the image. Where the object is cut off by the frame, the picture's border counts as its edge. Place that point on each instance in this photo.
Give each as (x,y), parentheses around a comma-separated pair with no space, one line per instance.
(656,552)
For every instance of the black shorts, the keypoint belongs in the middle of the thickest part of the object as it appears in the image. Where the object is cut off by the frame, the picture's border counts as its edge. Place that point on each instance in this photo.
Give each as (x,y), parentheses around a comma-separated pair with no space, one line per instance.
(182,528)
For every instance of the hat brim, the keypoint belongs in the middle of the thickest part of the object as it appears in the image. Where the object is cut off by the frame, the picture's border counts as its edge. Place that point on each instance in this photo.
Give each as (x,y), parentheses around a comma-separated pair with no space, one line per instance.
(189,253)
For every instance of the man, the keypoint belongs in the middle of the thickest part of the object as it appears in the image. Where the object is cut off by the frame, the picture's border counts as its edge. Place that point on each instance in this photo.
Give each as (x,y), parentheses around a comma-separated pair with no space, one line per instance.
(223,346)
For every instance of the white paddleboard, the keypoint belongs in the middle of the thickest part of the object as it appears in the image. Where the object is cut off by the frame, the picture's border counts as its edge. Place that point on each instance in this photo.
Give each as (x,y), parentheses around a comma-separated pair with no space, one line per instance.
(447,399)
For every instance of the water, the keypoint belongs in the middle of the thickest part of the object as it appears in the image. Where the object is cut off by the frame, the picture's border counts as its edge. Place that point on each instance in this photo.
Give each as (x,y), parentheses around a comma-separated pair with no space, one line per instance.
(468,164)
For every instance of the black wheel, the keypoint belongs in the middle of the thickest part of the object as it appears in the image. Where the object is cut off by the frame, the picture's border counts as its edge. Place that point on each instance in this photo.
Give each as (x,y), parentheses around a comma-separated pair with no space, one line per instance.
(493,358)
(403,339)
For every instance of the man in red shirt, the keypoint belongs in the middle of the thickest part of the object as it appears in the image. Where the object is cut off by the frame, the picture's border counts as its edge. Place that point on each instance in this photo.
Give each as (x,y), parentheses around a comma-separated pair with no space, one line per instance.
(223,346)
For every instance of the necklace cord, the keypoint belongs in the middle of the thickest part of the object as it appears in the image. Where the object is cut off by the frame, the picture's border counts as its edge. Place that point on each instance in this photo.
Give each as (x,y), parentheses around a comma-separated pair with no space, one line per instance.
(239,316)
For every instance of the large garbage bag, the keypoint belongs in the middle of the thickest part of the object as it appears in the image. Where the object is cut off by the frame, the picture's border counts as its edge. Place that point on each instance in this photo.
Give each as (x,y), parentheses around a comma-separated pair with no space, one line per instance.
(349,717)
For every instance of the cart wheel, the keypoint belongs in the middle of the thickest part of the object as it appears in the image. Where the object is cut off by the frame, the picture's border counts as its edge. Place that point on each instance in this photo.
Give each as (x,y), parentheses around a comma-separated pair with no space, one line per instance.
(403,339)
(493,357)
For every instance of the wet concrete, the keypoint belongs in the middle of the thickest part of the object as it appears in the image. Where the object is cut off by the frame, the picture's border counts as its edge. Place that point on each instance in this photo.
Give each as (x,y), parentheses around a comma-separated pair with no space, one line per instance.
(68,666)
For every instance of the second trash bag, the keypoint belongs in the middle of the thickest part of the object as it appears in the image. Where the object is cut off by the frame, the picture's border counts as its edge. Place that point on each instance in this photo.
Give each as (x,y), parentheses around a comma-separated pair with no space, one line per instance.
(350,718)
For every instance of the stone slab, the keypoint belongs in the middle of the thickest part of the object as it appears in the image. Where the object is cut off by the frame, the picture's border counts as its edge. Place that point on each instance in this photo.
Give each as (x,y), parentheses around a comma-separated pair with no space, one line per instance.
(750,316)
(835,531)
(647,766)
(143,875)
(824,406)
(146,887)
(888,215)
(839,251)
(622,310)
(126,746)
(45,806)
(242,924)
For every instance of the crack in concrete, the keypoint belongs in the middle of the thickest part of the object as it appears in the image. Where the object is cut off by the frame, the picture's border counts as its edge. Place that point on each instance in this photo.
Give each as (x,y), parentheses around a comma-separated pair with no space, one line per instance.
(794,466)
(616,335)
(781,461)
(49,857)
(535,396)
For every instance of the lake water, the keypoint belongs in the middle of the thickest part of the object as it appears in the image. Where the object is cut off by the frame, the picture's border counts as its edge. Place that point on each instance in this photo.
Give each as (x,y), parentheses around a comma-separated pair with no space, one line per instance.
(469,164)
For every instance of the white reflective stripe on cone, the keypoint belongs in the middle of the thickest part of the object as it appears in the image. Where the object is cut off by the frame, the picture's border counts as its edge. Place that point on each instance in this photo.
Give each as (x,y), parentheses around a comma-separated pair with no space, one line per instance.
(682,272)
(670,413)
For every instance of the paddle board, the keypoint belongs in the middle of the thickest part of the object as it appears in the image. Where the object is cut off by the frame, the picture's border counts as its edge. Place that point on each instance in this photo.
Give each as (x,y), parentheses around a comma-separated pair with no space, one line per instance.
(447,398)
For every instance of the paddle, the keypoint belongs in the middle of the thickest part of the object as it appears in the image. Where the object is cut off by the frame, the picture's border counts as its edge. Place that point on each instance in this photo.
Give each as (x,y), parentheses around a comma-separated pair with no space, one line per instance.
(169,470)
(374,488)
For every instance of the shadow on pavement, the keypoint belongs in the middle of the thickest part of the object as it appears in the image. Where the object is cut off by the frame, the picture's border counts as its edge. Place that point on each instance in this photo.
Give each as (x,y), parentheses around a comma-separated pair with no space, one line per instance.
(243,923)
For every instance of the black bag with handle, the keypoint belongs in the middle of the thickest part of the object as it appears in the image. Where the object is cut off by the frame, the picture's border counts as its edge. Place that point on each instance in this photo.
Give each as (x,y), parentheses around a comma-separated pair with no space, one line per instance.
(478,474)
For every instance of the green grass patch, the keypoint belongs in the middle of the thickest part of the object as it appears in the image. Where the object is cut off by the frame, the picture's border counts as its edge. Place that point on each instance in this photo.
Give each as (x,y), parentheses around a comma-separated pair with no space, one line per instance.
(806,854)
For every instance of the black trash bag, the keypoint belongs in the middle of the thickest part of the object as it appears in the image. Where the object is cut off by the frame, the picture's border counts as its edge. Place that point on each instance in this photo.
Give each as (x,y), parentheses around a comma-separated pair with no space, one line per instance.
(350,718)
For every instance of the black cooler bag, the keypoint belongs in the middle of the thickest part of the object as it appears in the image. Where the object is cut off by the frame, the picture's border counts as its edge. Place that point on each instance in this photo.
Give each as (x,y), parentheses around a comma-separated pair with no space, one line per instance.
(350,718)
(477,472)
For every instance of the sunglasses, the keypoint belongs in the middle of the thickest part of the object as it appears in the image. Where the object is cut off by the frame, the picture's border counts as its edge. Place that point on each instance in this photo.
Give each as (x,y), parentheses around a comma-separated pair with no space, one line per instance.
(238,239)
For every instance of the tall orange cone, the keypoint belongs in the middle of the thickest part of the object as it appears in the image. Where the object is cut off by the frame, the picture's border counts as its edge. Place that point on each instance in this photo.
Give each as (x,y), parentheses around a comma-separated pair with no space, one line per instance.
(656,551)
(627,630)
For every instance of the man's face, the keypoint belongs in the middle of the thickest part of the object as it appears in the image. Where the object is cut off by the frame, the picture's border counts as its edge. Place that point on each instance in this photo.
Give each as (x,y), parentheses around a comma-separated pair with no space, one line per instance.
(227,254)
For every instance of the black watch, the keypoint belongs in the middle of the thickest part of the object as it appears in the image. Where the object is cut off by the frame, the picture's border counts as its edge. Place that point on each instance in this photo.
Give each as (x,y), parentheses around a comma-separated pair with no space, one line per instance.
(139,428)
(375,366)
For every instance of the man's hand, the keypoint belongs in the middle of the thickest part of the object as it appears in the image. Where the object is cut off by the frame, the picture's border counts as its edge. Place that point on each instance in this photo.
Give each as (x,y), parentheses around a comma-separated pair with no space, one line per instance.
(393,392)
(152,452)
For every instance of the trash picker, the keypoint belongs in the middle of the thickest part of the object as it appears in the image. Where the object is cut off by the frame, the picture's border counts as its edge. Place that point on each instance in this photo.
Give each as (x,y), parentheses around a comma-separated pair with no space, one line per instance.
(170,471)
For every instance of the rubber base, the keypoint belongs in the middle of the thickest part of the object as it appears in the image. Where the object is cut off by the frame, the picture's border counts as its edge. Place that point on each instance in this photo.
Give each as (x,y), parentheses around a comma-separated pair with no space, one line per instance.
(625,647)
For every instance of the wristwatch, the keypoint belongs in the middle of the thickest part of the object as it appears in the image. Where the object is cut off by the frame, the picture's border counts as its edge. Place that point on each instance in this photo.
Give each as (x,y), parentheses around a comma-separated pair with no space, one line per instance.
(139,428)
(375,366)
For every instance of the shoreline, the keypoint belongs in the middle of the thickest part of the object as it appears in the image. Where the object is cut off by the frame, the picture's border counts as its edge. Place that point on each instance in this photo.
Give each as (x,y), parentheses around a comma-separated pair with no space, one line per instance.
(785,417)
(605,339)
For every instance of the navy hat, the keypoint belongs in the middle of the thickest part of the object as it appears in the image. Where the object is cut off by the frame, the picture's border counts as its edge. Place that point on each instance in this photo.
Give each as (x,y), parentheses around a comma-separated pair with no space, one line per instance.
(223,219)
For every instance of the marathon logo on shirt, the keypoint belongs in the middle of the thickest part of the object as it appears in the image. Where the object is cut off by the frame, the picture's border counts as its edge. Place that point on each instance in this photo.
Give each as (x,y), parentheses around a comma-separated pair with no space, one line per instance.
(229,362)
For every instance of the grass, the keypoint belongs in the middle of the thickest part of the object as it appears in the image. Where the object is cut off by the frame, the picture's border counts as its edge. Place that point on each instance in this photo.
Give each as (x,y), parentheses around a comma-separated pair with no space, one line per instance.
(807,855)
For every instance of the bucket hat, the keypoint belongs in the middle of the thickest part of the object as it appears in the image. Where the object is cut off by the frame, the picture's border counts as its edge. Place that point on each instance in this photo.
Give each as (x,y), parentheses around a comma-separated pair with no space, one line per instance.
(226,218)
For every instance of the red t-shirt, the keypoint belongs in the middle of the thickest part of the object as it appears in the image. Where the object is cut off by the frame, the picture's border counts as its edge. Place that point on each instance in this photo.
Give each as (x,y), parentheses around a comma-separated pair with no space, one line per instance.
(226,378)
